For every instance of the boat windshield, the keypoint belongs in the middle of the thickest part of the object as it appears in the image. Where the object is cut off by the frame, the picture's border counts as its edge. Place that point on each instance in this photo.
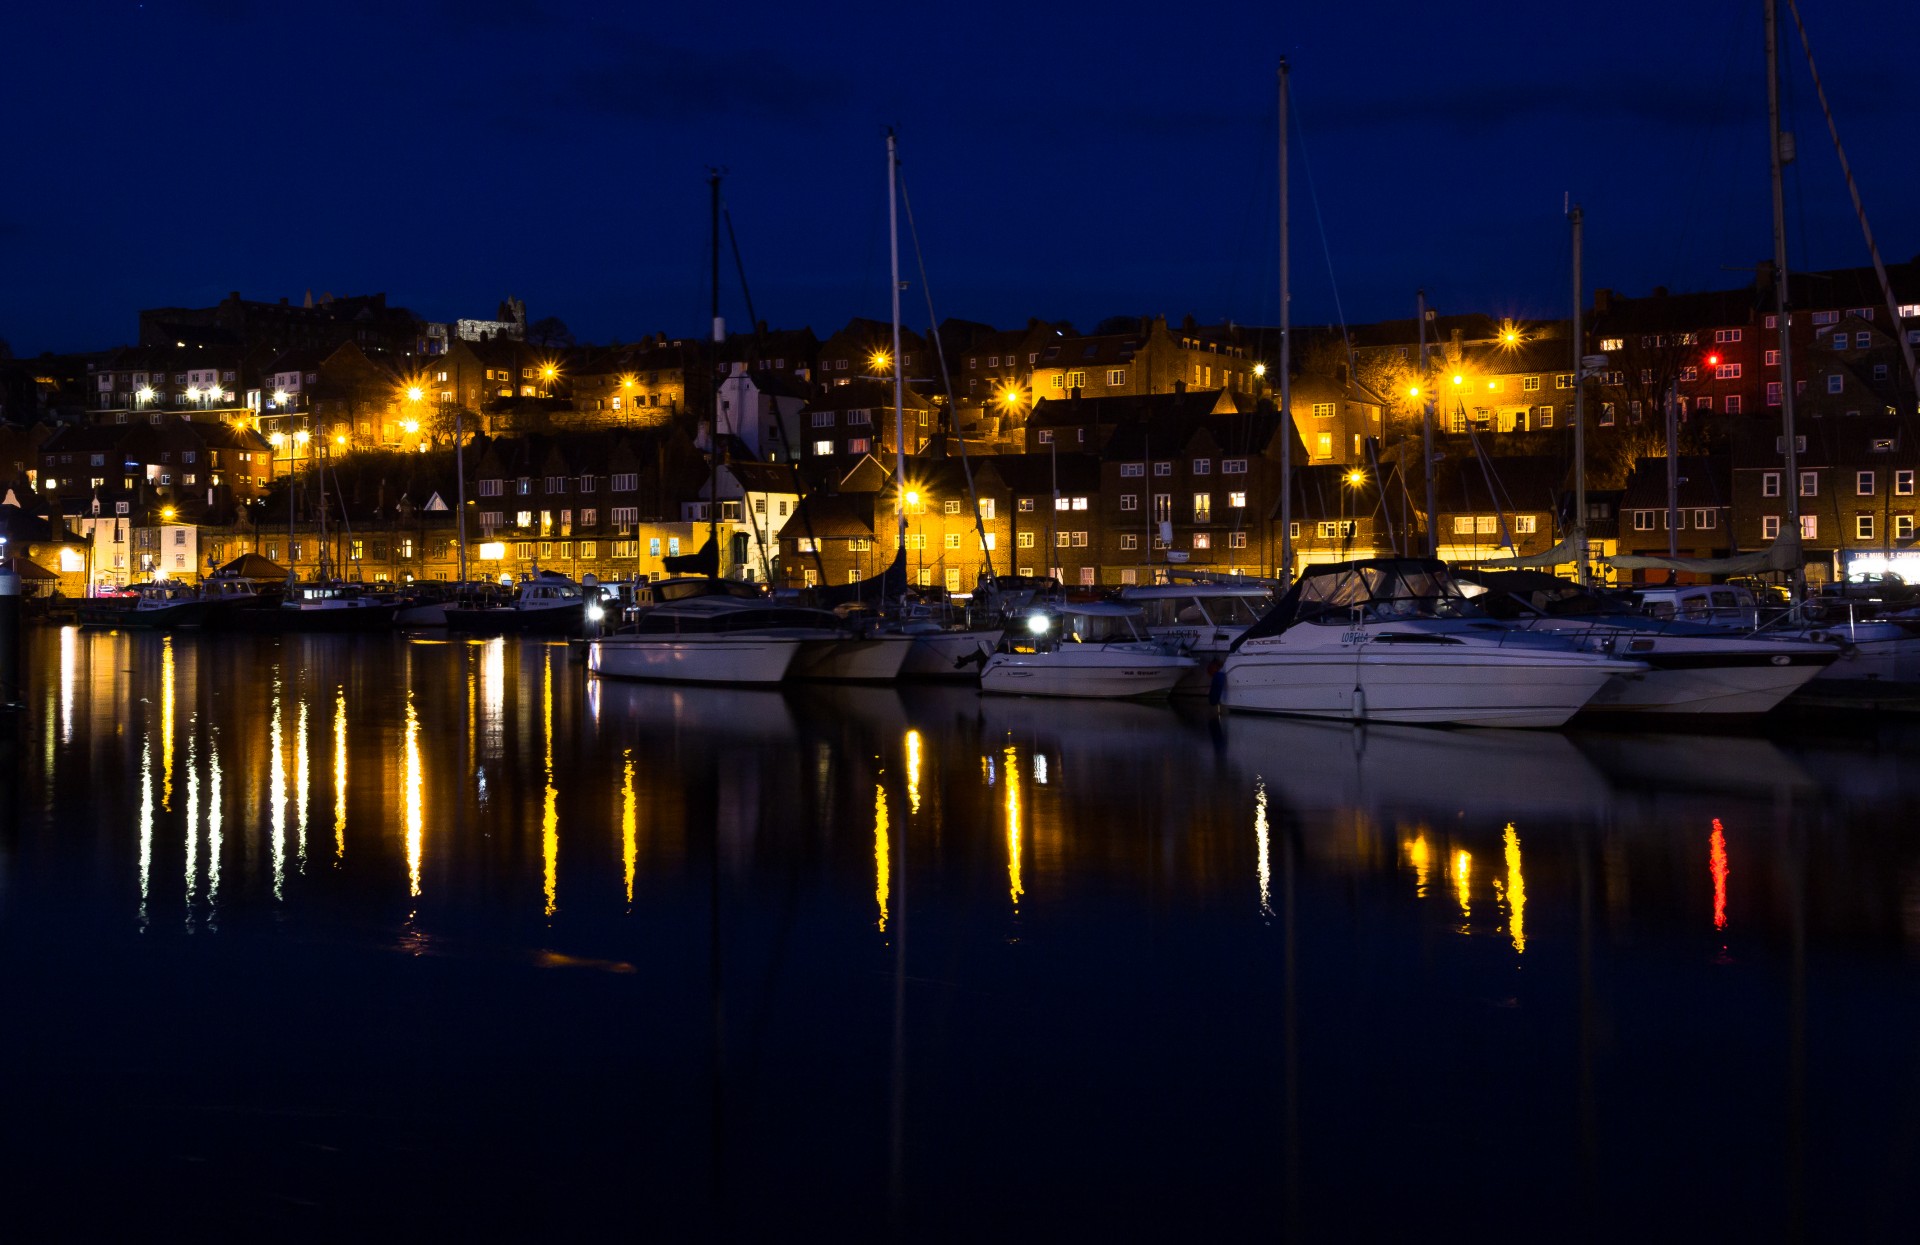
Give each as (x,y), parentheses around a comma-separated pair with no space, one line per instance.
(1215,611)
(1098,628)
(1385,591)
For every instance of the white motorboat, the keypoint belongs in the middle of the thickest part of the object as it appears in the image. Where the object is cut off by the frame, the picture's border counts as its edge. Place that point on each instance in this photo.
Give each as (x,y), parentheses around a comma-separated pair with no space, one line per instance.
(548,603)
(715,638)
(1394,640)
(1693,668)
(1202,619)
(1097,650)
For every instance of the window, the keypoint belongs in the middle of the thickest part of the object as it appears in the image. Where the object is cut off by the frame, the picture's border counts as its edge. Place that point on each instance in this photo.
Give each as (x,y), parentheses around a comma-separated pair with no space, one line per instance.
(1062,539)
(1863,526)
(1130,470)
(1076,380)
(1063,503)
(1727,371)
(1203,507)
(1903,483)
(1525,524)
(1341,530)
(1129,541)
(1233,466)
(624,518)
(1643,520)
(1202,540)
(1809,484)
(917,541)
(822,449)
(523,550)
(1836,383)
(523,518)
(1863,484)
(1025,541)
(1723,336)
(823,419)
(951,507)
(1530,384)
(953,540)
(1563,381)
(1323,410)
(1163,469)
(1129,501)
(1612,343)
(1463,525)
(1809,527)
(1237,501)
(523,487)
(1323,445)
(1117,377)
(489,488)
(1202,466)
(626,483)
(1236,540)
(1773,358)
(1079,540)
(589,518)
(1689,373)
(1086,578)
(1769,484)
(1045,436)
(1163,507)
(589,549)
(1732,404)
(546,549)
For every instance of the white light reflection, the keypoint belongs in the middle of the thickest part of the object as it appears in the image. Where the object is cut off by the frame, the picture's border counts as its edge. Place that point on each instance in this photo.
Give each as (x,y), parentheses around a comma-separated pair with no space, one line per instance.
(69,675)
(214,820)
(1040,769)
(303,790)
(1261,839)
(193,830)
(166,723)
(146,824)
(277,797)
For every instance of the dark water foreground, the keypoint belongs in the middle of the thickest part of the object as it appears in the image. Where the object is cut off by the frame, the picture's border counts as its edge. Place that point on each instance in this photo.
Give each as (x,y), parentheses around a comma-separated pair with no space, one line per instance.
(351,938)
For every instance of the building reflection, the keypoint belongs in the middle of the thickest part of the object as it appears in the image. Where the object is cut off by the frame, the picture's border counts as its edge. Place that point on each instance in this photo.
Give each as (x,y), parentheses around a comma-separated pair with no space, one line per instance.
(415,789)
(629,825)
(1516,891)
(1014,889)
(1462,874)
(340,773)
(882,854)
(277,797)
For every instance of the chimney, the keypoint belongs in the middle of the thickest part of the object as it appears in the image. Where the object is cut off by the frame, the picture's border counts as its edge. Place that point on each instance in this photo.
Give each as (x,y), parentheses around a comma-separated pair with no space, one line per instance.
(1602,301)
(1179,386)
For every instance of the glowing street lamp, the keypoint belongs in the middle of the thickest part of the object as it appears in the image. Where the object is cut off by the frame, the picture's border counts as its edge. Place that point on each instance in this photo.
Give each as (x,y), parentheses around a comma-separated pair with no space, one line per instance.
(880,360)
(1260,370)
(415,393)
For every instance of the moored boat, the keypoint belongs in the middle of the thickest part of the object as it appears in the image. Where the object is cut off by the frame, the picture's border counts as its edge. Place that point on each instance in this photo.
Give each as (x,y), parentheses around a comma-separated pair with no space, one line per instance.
(1093,651)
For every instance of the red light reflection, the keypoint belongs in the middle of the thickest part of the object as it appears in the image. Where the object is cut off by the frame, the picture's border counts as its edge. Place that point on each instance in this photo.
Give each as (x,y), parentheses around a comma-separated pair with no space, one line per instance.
(1717,865)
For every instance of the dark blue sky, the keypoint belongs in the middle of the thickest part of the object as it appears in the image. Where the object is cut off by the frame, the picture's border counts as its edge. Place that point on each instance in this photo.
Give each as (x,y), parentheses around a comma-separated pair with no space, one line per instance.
(1072,161)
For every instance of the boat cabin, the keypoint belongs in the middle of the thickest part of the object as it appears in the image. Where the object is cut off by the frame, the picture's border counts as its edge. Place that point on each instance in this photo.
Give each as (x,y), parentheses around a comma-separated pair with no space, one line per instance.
(1724,605)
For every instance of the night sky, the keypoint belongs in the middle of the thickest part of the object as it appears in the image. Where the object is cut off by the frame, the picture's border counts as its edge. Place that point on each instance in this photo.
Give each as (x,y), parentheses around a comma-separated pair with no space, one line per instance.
(1066,161)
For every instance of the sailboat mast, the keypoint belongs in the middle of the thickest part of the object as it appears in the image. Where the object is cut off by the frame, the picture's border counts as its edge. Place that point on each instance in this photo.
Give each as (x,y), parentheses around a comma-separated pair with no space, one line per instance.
(1286,354)
(1426,431)
(713,364)
(460,490)
(1782,302)
(899,368)
(1578,221)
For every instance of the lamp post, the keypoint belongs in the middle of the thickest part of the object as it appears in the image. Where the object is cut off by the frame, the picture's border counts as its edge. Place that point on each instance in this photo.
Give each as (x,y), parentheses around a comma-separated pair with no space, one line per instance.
(1352,480)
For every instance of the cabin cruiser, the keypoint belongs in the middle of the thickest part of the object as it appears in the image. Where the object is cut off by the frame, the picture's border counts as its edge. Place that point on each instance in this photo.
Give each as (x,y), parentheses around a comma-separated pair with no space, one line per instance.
(712,637)
(548,603)
(164,604)
(1395,640)
(1097,650)
(1202,619)
(944,646)
(1695,668)
(325,605)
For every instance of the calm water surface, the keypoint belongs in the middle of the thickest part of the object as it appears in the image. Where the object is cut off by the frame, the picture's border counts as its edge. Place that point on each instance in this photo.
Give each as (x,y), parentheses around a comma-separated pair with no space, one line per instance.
(414,937)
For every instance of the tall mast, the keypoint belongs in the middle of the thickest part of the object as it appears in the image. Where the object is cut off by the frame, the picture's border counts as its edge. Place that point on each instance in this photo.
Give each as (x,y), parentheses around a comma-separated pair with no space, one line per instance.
(1580,406)
(1782,302)
(460,490)
(899,368)
(713,363)
(1286,354)
(1426,432)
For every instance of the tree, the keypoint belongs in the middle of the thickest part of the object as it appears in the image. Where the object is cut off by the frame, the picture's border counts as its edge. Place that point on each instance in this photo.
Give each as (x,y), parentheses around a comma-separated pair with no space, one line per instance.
(551,331)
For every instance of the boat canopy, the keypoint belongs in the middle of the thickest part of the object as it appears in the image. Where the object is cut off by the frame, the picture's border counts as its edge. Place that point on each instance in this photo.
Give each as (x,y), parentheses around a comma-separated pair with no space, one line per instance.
(1381,589)
(888,585)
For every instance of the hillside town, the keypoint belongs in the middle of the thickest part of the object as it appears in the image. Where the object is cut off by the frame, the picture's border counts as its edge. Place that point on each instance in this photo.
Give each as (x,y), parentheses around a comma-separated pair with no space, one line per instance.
(321,432)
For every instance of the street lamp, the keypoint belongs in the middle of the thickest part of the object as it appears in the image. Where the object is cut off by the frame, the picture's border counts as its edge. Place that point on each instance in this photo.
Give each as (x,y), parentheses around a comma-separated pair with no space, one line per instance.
(880,360)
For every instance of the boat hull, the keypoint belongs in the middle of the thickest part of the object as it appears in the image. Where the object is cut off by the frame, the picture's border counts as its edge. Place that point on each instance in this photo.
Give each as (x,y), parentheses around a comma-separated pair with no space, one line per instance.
(870,659)
(937,654)
(1723,686)
(1083,676)
(1496,688)
(740,660)
(508,620)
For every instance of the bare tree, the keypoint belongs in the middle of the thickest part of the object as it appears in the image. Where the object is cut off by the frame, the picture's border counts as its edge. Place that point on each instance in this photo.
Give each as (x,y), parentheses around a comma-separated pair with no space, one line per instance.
(551,331)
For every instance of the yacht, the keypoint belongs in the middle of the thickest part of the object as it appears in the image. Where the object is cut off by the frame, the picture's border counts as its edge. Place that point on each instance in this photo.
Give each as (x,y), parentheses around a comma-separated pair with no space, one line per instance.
(712,638)
(326,605)
(1395,640)
(1202,619)
(1695,668)
(547,604)
(1097,650)
(163,604)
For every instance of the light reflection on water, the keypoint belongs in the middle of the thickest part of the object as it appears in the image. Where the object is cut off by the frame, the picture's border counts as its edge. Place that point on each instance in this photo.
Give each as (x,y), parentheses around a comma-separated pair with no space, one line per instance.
(1118,835)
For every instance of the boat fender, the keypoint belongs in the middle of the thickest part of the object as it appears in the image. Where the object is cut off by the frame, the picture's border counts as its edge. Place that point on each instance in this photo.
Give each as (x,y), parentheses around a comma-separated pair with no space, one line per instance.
(1359,704)
(1818,637)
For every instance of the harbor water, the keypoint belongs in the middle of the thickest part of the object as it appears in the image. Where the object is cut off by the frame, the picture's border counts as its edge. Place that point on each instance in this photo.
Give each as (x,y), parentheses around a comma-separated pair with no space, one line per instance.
(402,936)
